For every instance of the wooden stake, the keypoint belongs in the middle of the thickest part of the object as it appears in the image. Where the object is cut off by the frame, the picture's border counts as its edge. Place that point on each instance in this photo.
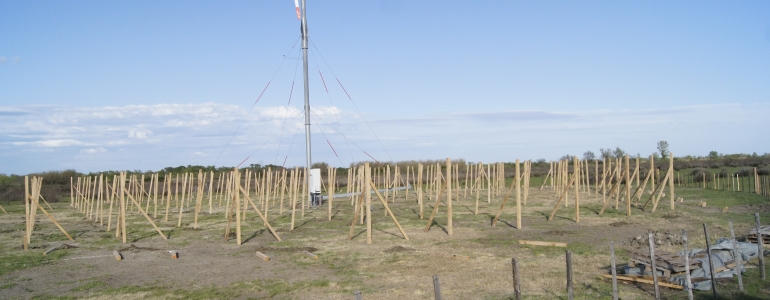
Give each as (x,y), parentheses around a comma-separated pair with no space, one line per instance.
(518,196)
(564,193)
(263,217)
(385,203)
(368,196)
(576,172)
(652,265)
(139,207)
(671,178)
(711,263)
(614,272)
(570,291)
(760,247)
(449,194)
(516,279)
(628,187)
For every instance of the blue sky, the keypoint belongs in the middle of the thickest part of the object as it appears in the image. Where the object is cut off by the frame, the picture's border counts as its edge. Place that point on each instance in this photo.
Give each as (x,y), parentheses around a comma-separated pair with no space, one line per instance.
(95,85)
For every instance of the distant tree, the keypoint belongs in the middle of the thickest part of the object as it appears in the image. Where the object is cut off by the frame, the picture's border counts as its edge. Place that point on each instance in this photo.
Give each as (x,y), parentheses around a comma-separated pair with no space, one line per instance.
(619,152)
(656,156)
(663,148)
(713,155)
(319,165)
(567,157)
(589,156)
(606,153)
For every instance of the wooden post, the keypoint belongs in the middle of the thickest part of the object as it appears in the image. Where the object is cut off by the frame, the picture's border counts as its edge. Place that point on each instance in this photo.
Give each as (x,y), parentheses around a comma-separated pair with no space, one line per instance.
(628,187)
(671,178)
(139,207)
(516,279)
(295,187)
(385,203)
(211,187)
(614,272)
(419,189)
(760,247)
(711,263)
(652,170)
(477,187)
(237,203)
(518,196)
(576,171)
(570,291)
(652,265)
(449,194)
(123,206)
(329,190)
(368,196)
(687,266)
(436,288)
(737,257)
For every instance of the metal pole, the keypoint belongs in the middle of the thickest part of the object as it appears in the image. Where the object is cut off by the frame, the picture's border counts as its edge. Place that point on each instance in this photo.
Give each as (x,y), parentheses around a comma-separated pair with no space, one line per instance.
(308,159)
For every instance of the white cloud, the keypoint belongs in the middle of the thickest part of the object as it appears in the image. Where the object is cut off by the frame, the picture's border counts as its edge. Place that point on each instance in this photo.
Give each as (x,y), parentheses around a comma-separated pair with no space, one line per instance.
(3,60)
(93,150)
(50,143)
(139,133)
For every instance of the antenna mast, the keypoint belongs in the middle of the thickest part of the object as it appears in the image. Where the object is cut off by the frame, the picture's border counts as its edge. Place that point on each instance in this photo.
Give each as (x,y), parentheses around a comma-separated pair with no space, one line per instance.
(308,162)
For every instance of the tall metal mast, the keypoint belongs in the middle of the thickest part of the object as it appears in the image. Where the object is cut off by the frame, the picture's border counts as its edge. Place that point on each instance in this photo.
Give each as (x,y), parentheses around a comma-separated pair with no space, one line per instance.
(307,94)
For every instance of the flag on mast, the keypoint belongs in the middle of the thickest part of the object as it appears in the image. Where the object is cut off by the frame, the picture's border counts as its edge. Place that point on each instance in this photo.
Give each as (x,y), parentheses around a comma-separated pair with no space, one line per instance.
(296,5)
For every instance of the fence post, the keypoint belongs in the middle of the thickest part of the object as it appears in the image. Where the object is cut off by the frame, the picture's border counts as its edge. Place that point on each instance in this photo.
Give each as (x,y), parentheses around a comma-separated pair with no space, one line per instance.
(711,263)
(516,279)
(652,265)
(436,288)
(570,291)
(358,295)
(614,272)
(760,241)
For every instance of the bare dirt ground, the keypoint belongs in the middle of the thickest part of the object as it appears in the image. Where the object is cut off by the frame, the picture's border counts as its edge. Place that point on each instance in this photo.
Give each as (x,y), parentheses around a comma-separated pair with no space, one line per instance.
(390,268)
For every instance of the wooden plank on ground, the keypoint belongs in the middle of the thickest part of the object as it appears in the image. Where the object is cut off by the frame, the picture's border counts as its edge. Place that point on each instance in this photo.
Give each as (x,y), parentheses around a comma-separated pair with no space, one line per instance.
(541,243)
(640,280)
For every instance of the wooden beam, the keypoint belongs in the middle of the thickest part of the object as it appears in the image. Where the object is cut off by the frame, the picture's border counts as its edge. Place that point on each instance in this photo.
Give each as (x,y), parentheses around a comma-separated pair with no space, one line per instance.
(385,203)
(541,243)
(640,280)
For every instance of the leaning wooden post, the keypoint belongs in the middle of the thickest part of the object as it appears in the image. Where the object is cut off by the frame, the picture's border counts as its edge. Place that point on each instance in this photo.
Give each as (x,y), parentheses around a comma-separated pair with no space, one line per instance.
(368,197)
(237,204)
(687,266)
(449,194)
(516,279)
(671,179)
(570,290)
(614,272)
(518,196)
(737,258)
(711,263)
(652,265)
(760,247)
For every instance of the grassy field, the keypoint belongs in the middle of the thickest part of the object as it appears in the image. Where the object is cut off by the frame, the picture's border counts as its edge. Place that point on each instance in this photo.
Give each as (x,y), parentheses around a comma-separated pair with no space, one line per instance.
(390,268)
